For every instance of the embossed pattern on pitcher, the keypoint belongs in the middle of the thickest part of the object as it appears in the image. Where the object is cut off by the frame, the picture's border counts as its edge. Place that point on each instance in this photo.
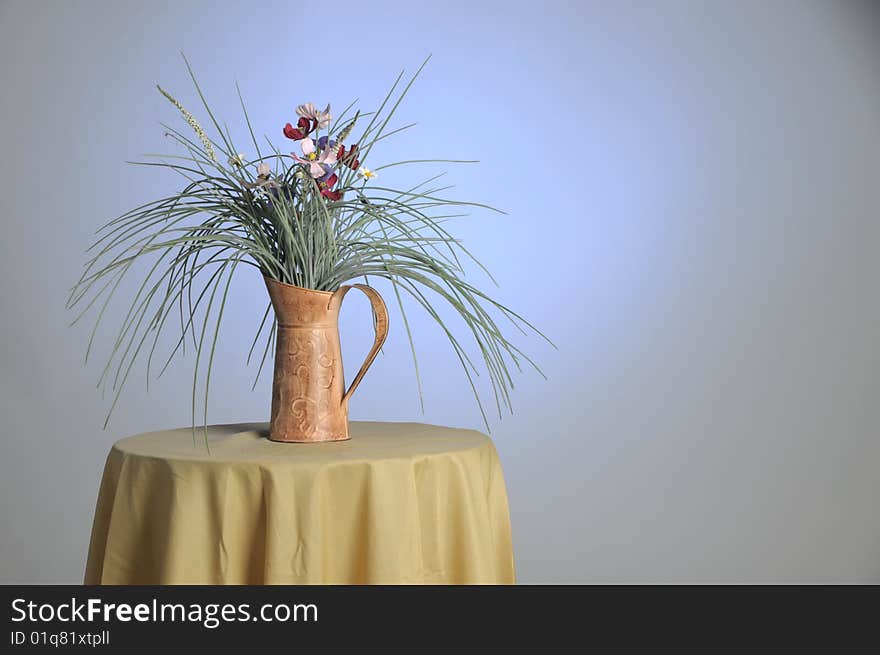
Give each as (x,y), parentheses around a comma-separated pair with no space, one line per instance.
(307,365)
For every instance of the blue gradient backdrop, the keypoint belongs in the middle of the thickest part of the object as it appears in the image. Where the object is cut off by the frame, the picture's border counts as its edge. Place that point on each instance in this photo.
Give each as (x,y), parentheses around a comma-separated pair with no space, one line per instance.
(692,199)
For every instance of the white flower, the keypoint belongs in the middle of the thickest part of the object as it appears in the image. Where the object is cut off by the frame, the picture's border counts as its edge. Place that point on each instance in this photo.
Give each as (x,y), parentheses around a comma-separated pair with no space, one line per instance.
(308,110)
(366,173)
(264,181)
(237,160)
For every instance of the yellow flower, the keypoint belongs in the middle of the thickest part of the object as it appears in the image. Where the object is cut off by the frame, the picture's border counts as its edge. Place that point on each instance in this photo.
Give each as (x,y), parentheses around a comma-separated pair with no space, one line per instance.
(366,173)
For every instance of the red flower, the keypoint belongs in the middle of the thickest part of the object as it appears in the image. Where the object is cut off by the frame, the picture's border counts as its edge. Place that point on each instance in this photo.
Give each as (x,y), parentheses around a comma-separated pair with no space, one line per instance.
(292,133)
(349,158)
(298,133)
(326,187)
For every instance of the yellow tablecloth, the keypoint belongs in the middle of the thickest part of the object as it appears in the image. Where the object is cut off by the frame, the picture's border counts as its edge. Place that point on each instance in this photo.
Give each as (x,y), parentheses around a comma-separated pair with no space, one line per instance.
(398,503)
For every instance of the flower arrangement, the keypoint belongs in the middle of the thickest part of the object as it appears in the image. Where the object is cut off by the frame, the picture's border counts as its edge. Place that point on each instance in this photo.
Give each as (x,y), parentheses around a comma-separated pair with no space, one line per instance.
(315,217)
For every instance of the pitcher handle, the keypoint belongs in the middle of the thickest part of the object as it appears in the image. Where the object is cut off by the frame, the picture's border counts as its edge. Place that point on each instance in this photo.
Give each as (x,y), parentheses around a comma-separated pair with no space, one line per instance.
(381,327)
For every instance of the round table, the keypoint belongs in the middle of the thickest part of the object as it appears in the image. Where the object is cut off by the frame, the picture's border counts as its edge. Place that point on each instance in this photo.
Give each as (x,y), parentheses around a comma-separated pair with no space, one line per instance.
(399,503)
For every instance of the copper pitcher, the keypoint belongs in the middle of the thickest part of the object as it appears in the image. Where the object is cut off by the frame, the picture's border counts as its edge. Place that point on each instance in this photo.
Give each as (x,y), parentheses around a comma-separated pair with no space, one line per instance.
(309,400)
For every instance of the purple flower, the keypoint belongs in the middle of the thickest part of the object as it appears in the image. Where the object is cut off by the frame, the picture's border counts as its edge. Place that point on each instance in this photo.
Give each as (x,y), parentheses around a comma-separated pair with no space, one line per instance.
(322,143)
